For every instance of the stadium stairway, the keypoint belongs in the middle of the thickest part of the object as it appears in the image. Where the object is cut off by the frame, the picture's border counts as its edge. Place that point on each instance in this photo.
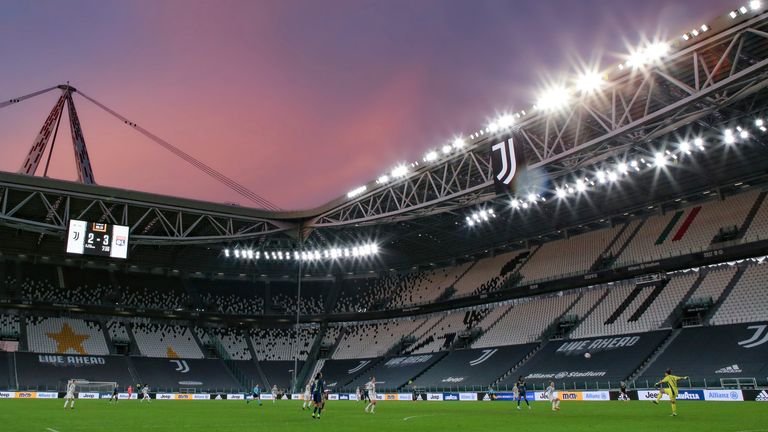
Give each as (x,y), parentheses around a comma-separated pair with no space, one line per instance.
(649,300)
(13,376)
(522,362)
(312,357)
(134,348)
(601,262)
(235,372)
(255,360)
(107,337)
(673,320)
(726,292)
(624,305)
(629,240)
(752,213)
(132,370)
(655,355)
(23,341)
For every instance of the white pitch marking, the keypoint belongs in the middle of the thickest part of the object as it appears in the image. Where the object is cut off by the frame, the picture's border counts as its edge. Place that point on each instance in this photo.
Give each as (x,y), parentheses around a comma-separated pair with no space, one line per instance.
(408,418)
(51,430)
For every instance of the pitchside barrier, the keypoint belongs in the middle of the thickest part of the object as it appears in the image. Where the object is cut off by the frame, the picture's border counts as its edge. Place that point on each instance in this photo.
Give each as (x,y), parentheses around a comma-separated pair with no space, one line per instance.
(722,395)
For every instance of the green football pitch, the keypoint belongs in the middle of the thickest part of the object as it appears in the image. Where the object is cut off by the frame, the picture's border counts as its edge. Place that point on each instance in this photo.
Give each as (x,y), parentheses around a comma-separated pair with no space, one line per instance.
(339,416)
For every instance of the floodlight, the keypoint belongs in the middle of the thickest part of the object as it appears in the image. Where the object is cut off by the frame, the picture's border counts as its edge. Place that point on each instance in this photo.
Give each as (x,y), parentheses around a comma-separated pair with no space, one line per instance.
(399,171)
(561,193)
(660,159)
(755,5)
(505,121)
(685,147)
(383,179)
(431,156)
(553,98)
(458,143)
(446,149)
(589,82)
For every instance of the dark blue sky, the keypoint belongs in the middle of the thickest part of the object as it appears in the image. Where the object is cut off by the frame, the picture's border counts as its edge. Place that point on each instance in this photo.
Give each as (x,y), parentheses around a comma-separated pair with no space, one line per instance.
(299,100)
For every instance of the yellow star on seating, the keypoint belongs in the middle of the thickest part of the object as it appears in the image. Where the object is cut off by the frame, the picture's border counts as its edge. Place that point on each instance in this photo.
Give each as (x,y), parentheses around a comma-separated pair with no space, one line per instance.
(171,353)
(67,339)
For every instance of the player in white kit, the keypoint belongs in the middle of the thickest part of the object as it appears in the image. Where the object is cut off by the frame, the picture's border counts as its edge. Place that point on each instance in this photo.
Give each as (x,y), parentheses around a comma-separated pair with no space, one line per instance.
(307,396)
(145,394)
(274,393)
(70,396)
(552,396)
(358,394)
(370,387)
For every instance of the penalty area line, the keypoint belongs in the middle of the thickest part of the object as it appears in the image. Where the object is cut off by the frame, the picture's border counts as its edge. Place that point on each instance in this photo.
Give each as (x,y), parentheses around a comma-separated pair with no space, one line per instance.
(51,430)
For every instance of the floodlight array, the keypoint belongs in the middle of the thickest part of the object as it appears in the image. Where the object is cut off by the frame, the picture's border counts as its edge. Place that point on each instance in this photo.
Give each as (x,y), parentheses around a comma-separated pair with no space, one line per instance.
(335,253)
(557,97)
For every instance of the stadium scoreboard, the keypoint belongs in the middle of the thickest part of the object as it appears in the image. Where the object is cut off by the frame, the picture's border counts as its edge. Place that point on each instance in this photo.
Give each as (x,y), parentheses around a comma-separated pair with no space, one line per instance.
(99,239)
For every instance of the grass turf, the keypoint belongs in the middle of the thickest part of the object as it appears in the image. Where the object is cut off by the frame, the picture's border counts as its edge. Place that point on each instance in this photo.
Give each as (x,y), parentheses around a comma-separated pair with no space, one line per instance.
(340,416)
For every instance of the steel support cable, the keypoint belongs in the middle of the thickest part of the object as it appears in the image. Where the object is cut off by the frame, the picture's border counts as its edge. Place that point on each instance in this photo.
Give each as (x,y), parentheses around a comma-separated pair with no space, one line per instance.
(213,173)
(25,97)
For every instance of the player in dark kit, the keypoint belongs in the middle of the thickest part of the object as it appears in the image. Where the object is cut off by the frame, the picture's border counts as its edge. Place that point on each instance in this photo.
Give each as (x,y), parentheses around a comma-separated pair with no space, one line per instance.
(318,391)
(623,396)
(521,386)
(113,398)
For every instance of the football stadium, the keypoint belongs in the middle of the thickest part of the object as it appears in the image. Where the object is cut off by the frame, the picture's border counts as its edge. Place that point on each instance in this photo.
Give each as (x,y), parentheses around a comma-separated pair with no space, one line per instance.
(593,261)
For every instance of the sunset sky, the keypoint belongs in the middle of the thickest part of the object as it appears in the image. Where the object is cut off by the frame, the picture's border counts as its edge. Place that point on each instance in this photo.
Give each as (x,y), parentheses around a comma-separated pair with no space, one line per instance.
(301,101)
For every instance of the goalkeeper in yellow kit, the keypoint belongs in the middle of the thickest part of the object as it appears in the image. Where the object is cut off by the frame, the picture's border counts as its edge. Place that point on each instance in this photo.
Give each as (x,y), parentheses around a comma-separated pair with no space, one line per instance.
(668,386)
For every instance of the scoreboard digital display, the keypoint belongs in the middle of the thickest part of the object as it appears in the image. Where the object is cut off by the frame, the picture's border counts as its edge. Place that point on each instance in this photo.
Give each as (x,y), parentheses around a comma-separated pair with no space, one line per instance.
(99,239)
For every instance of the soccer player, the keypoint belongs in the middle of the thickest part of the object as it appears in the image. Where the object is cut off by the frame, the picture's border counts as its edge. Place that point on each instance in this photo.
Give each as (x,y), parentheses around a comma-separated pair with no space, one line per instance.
(130,392)
(255,395)
(668,386)
(145,394)
(318,389)
(552,396)
(370,388)
(307,396)
(623,396)
(523,394)
(113,398)
(274,393)
(70,396)
(357,394)
(491,393)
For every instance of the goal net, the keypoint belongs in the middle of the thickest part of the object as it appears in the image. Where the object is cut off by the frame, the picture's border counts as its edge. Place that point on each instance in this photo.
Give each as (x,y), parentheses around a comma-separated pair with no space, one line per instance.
(86,386)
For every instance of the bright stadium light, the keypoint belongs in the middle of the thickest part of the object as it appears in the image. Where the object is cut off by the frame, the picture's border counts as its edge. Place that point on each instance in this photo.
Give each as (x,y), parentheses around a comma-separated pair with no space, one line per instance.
(581,186)
(446,149)
(561,193)
(459,143)
(493,127)
(660,159)
(505,121)
(622,168)
(226,253)
(553,99)
(685,147)
(532,198)
(755,5)
(612,176)
(383,179)
(399,171)
(743,134)
(431,156)
(729,138)
(759,122)
(704,28)
(699,143)
(515,203)
(589,82)
(600,176)
(733,14)
(357,191)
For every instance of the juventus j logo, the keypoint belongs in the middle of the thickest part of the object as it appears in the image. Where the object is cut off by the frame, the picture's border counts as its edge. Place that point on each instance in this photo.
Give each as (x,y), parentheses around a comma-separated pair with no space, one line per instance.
(362,364)
(485,356)
(508,161)
(760,337)
(181,366)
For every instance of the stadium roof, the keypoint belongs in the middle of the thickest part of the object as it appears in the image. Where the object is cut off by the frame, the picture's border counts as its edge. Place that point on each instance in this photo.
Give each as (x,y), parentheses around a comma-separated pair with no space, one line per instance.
(627,149)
